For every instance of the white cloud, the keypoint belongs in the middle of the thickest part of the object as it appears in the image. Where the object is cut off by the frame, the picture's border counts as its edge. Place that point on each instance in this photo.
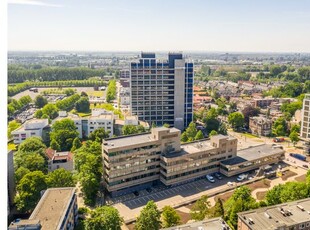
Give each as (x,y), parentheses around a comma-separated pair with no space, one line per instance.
(33,3)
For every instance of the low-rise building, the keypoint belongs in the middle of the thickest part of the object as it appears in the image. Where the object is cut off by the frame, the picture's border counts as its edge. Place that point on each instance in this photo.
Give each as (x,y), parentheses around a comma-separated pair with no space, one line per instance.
(210,224)
(57,209)
(252,158)
(260,126)
(32,128)
(263,102)
(58,160)
(291,215)
(139,161)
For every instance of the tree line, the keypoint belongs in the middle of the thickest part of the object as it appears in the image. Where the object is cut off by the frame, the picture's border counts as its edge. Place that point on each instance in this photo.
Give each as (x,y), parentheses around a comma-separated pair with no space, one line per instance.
(18,73)
(16,105)
(111,91)
(14,89)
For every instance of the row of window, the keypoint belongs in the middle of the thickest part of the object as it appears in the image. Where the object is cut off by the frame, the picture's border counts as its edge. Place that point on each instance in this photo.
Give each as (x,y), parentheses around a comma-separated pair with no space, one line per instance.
(132,178)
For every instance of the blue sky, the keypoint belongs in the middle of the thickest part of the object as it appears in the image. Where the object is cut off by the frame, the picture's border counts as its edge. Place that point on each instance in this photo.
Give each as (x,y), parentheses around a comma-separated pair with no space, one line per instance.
(160,25)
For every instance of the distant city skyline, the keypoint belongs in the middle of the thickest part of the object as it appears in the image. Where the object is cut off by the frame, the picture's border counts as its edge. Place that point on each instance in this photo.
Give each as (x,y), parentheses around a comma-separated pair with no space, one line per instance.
(134,26)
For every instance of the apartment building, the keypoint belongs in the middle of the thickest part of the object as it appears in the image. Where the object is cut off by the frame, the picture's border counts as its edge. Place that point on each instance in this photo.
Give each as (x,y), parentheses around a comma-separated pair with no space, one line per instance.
(58,160)
(263,102)
(292,216)
(210,224)
(57,209)
(32,128)
(260,126)
(162,91)
(305,119)
(124,74)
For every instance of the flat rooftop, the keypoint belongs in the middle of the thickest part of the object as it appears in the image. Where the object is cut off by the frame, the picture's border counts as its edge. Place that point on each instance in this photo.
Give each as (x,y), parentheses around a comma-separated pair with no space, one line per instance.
(272,218)
(52,206)
(136,139)
(211,224)
(253,153)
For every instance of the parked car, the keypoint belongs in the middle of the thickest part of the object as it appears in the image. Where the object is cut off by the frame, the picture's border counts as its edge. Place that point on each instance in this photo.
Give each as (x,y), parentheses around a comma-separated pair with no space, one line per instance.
(136,193)
(218,176)
(305,166)
(242,177)
(210,178)
(230,183)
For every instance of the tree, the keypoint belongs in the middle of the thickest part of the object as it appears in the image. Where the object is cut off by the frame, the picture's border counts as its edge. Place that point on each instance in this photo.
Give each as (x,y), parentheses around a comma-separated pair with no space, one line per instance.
(218,209)
(29,189)
(59,178)
(64,132)
(132,129)
(40,101)
(184,137)
(13,125)
(249,111)
(54,145)
(200,210)
(294,137)
(236,120)
(19,173)
(30,160)
(83,94)
(32,144)
(273,195)
(213,133)
(199,135)
(295,128)
(82,105)
(191,131)
(149,217)
(279,127)
(50,110)
(166,125)
(170,217)
(38,114)
(222,129)
(111,91)
(99,134)
(104,218)
(76,144)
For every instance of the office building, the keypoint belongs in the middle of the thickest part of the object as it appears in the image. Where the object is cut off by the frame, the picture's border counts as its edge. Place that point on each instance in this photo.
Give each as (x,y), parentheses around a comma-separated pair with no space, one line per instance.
(139,161)
(252,158)
(291,216)
(32,128)
(305,119)
(162,91)
(57,209)
(210,224)
(260,126)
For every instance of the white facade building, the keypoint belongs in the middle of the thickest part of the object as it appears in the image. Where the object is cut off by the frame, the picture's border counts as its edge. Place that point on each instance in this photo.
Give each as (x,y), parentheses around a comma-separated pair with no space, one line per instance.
(32,128)
(101,121)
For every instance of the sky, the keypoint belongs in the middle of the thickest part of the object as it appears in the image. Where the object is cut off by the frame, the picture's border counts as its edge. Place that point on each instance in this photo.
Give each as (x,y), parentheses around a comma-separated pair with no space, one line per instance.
(159,25)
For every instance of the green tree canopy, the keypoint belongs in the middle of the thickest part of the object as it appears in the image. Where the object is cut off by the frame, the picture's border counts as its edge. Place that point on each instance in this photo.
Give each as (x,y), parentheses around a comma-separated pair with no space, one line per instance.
(51,110)
(30,160)
(54,145)
(76,144)
(132,129)
(213,133)
(82,105)
(13,125)
(149,217)
(199,135)
(40,101)
(236,120)
(218,209)
(222,129)
(29,189)
(294,137)
(64,132)
(279,127)
(20,173)
(99,134)
(60,178)
(32,144)
(104,218)
(200,210)
(170,217)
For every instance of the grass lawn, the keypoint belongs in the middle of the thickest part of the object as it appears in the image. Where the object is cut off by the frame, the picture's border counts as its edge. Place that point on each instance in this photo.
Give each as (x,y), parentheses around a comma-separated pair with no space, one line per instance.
(249,135)
(83,114)
(11,146)
(95,93)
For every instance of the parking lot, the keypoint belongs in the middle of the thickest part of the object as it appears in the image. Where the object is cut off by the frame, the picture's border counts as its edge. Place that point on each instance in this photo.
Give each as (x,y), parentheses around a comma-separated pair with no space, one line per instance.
(161,192)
